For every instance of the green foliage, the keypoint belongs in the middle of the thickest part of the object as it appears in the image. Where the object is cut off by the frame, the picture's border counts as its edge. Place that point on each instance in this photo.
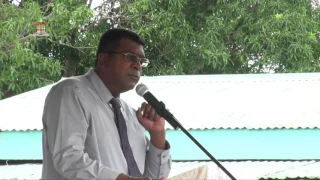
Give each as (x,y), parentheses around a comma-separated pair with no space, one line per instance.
(222,36)
(22,68)
(28,61)
(182,37)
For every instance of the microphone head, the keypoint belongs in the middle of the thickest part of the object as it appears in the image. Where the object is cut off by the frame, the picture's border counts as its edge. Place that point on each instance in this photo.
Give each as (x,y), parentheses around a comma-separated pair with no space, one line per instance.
(141,89)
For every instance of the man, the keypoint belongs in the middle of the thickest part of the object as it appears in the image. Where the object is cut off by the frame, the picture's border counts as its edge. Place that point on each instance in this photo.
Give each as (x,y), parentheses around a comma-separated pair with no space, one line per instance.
(90,133)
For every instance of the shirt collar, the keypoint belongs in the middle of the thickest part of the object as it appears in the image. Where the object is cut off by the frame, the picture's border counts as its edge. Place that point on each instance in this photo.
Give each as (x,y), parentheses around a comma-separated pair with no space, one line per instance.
(103,92)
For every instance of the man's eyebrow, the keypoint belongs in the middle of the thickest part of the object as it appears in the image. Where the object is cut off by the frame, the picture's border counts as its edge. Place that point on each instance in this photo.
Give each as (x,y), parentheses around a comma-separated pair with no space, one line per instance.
(135,54)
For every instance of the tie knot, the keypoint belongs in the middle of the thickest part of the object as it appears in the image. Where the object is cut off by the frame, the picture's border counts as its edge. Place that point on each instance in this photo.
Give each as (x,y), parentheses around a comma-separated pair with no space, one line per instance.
(115,103)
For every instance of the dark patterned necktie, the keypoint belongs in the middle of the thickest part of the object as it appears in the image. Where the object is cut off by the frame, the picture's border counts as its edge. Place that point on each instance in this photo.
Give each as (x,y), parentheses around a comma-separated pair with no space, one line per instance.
(125,146)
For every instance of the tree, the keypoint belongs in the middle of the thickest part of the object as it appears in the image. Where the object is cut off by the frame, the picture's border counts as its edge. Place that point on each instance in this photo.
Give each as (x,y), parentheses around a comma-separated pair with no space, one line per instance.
(182,37)
(28,61)
(21,67)
(225,36)
(70,48)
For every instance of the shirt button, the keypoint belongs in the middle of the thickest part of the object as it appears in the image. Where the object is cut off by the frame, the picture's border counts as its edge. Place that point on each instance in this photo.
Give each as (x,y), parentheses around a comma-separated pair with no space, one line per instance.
(163,156)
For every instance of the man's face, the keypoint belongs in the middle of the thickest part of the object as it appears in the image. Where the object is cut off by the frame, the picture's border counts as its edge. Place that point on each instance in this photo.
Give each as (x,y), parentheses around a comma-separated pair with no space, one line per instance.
(125,72)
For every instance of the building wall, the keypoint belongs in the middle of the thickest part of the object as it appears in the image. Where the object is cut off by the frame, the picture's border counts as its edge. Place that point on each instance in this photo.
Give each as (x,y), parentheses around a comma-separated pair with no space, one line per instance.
(223,144)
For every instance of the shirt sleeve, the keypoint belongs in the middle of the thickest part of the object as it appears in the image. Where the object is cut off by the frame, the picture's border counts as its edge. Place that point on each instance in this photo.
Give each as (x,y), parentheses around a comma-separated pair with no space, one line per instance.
(158,161)
(66,133)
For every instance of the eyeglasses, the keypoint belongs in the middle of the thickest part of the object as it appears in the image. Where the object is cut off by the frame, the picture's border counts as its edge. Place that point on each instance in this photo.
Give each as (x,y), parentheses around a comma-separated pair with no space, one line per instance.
(133,58)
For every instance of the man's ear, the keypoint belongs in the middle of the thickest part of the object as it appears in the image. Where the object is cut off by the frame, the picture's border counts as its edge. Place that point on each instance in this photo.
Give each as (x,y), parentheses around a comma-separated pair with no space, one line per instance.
(102,59)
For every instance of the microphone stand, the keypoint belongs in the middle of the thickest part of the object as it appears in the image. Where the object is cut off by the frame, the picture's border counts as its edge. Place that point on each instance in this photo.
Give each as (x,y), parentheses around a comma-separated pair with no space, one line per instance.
(163,112)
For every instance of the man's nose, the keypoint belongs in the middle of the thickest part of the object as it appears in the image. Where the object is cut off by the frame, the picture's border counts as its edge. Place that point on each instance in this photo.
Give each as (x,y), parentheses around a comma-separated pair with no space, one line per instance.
(137,65)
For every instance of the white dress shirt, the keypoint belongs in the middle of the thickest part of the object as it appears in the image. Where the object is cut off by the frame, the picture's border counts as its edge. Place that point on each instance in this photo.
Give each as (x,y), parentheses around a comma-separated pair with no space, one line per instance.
(81,140)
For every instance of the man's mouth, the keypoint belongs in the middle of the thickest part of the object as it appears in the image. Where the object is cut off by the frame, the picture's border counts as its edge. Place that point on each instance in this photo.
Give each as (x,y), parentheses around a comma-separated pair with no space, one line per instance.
(134,76)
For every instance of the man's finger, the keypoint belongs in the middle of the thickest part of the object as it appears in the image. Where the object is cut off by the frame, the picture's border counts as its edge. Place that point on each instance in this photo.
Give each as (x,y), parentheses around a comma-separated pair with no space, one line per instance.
(143,105)
(152,114)
(139,114)
(147,110)
(156,117)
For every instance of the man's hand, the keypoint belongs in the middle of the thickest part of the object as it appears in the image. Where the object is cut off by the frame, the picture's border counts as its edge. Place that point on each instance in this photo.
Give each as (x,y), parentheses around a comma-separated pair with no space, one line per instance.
(153,123)
(125,177)
(149,119)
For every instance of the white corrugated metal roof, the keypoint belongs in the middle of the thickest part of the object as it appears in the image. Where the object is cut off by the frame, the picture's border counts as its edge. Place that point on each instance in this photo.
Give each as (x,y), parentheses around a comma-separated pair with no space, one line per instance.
(205,101)
(24,111)
(240,170)
(239,101)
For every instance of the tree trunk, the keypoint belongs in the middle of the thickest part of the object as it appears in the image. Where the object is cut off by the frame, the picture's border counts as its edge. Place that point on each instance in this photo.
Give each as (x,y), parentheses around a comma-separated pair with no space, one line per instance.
(196,69)
(72,59)
(8,93)
(70,65)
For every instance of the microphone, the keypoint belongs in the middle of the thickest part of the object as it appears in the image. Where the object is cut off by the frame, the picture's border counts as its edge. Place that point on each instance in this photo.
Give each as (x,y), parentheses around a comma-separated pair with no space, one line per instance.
(143,91)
